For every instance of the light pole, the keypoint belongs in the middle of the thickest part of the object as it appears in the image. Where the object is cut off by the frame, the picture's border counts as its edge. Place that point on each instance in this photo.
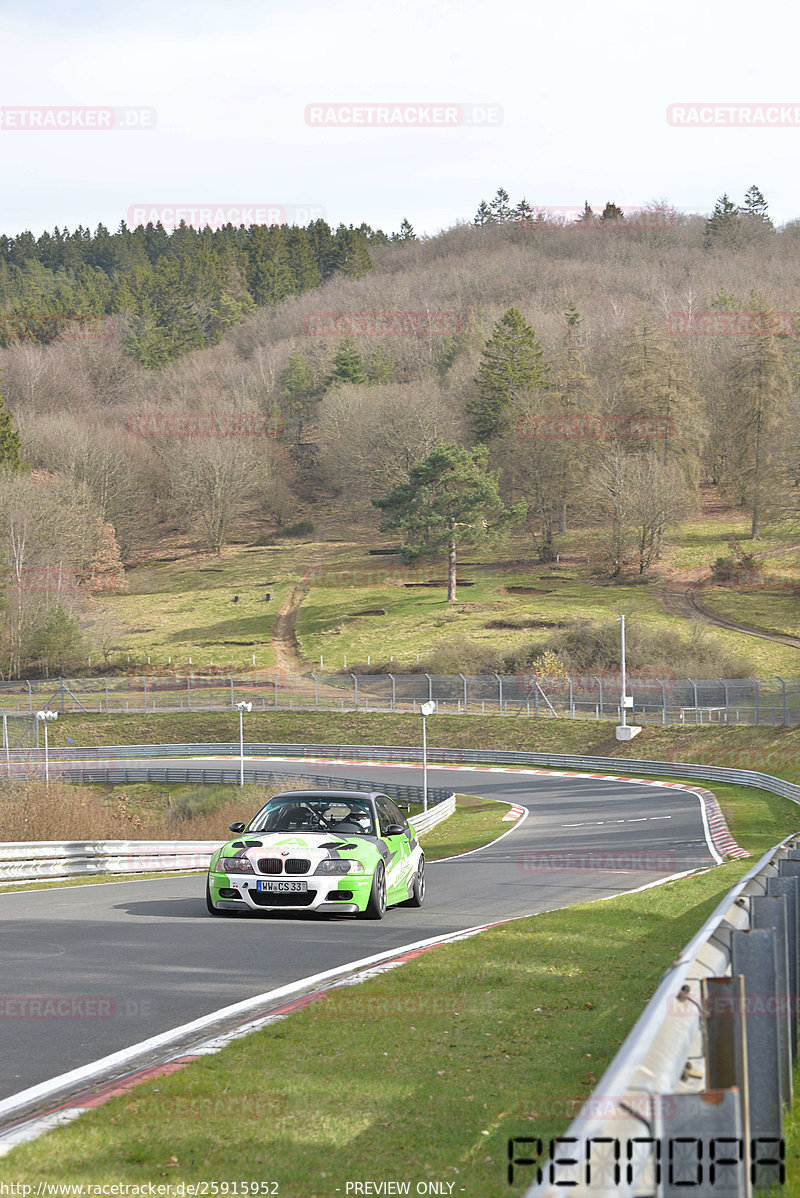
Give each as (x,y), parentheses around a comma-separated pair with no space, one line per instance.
(426,709)
(243,707)
(45,717)
(621,621)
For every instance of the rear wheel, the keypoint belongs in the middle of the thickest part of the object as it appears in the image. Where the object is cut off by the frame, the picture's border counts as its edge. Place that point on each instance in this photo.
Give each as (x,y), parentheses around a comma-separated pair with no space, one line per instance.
(417,896)
(376,907)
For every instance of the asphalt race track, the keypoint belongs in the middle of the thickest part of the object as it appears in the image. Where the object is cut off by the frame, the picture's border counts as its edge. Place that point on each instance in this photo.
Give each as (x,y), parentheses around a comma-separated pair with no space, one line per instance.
(139,958)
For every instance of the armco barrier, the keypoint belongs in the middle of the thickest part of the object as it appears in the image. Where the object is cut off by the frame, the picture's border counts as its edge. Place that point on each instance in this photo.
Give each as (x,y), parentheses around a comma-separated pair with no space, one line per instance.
(693,1101)
(26,861)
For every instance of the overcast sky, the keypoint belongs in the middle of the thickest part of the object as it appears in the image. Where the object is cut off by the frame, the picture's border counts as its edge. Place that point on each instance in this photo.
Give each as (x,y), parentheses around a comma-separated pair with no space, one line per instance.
(577,97)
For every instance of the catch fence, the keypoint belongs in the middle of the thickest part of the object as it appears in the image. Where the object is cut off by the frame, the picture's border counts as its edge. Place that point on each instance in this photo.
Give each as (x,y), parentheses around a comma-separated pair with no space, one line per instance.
(592,696)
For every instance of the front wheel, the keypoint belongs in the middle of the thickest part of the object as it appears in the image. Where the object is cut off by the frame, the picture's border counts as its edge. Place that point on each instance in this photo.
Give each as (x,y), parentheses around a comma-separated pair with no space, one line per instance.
(376,907)
(209,902)
(417,896)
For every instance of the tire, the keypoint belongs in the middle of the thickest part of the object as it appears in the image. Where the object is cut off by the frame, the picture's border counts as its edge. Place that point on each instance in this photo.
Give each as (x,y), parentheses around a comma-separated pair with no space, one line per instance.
(417,896)
(376,907)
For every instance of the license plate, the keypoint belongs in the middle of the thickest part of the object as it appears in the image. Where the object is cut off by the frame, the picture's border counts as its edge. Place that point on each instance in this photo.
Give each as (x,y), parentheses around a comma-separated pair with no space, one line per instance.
(274,886)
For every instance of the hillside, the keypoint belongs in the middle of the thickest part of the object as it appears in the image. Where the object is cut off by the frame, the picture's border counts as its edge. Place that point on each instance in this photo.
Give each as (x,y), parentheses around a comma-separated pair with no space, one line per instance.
(653,362)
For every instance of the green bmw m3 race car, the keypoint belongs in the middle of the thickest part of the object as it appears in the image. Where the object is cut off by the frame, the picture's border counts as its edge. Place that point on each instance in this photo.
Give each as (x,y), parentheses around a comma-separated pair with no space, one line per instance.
(333,851)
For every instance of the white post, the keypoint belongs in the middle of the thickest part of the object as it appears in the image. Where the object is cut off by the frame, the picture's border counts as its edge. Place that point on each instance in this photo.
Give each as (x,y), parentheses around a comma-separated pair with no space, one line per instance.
(622,661)
(243,707)
(5,742)
(424,767)
(46,759)
(241,746)
(426,709)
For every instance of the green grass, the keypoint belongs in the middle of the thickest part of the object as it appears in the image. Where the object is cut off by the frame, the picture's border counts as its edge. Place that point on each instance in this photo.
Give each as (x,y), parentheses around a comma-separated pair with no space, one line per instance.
(769,611)
(185,609)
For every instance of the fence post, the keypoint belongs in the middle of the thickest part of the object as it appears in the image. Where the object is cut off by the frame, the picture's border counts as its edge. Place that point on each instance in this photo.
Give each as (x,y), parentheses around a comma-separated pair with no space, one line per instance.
(106,682)
(571,702)
(230,679)
(188,692)
(430,688)
(755,683)
(727,704)
(144,679)
(599,682)
(394,692)
(316,689)
(499,693)
(464,680)
(275,691)
(663,701)
(355,684)
(30,698)
(783,700)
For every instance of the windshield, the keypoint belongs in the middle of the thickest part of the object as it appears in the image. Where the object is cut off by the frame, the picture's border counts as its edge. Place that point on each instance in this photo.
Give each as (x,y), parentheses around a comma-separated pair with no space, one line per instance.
(340,817)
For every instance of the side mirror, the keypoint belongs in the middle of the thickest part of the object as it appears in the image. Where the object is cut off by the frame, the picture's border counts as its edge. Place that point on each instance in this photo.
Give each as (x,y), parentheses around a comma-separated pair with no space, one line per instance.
(237,827)
(394,830)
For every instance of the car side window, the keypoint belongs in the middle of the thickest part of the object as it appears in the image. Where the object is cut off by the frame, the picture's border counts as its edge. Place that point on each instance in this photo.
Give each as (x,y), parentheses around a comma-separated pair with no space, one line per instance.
(397,815)
(387,813)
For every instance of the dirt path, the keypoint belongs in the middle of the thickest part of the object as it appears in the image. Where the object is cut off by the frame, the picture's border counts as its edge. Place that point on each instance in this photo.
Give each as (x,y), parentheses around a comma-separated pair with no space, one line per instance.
(682,601)
(284,632)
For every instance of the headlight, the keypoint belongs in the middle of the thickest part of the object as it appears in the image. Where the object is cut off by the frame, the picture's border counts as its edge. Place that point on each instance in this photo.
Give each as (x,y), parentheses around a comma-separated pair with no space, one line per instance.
(339,867)
(236,865)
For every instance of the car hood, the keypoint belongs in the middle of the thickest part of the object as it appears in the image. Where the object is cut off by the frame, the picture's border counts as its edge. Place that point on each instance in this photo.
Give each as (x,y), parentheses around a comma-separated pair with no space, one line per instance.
(318,846)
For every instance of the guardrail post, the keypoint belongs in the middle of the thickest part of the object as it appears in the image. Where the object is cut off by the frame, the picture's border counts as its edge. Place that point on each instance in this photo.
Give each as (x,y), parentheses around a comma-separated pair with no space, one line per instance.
(394,692)
(790,889)
(753,955)
(464,680)
(699,1133)
(769,912)
(726,1043)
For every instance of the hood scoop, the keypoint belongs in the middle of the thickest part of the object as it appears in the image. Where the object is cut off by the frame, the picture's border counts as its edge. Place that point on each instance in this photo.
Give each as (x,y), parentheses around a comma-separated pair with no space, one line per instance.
(337,844)
(246,844)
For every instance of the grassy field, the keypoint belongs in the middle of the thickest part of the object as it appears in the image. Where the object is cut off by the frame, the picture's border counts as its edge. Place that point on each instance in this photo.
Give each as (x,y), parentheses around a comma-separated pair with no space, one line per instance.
(772,611)
(357,606)
(422,1074)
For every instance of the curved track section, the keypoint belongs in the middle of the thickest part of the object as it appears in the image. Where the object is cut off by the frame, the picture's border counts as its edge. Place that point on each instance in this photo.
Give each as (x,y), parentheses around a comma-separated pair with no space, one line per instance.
(90,970)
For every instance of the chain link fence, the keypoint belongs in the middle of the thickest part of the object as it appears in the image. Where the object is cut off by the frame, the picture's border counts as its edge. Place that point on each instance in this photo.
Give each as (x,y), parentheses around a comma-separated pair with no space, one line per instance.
(598,697)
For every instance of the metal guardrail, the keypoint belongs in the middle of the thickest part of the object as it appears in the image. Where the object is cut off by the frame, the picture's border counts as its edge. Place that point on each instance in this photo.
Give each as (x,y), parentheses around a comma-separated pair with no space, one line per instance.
(694,1098)
(412,755)
(25,861)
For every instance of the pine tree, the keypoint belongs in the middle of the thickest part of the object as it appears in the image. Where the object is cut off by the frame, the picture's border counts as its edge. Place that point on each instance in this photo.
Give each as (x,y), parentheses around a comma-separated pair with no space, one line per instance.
(300,390)
(380,367)
(612,214)
(484,215)
(10,440)
(451,499)
(524,213)
(587,217)
(406,231)
(348,364)
(500,206)
(722,226)
(512,367)
(754,202)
